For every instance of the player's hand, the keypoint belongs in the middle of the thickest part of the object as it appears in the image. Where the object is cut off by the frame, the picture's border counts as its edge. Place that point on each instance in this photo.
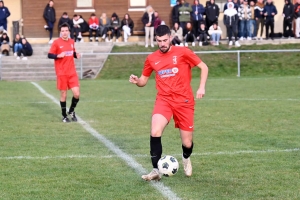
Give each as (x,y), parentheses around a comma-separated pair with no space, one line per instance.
(200,93)
(78,55)
(133,79)
(61,55)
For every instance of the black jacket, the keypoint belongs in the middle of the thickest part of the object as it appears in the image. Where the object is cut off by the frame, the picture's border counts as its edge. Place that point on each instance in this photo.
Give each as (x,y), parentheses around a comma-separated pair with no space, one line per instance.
(145,19)
(175,14)
(49,14)
(65,20)
(130,24)
(4,40)
(27,47)
(212,12)
(201,32)
(288,11)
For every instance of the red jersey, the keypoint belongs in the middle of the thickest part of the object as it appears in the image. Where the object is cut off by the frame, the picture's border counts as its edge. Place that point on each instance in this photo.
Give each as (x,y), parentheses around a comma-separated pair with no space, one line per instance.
(173,73)
(65,65)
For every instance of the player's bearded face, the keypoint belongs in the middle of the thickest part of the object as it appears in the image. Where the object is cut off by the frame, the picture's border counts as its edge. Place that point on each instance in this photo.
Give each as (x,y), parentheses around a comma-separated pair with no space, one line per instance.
(164,43)
(65,33)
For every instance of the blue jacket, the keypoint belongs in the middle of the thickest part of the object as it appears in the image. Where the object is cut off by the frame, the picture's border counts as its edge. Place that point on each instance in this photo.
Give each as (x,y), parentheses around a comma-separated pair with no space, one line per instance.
(4,14)
(269,9)
(201,12)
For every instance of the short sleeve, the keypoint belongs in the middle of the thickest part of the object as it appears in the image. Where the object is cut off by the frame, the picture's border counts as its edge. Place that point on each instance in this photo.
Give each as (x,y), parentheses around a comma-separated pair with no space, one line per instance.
(191,58)
(53,49)
(147,68)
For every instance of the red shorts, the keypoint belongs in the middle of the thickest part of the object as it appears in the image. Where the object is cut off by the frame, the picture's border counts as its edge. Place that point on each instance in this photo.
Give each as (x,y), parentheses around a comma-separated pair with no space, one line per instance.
(183,114)
(67,82)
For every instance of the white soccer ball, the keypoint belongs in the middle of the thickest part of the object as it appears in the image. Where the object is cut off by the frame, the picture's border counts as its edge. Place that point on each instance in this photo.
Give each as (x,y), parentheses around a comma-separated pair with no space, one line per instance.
(168,165)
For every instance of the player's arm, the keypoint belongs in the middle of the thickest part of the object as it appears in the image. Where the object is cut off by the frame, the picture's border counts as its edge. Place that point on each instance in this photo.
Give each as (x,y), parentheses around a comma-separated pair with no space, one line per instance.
(203,78)
(140,82)
(53,52)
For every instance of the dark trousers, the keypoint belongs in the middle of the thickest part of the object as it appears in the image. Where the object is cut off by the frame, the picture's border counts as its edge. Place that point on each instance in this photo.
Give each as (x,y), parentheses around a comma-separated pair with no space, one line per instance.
(75,30)
(190,37)
(203,37)
(260,22)
(102,30)
(209,23)
(24,52)
(231,31)
(269,24)
(50,29)
(95,31)
(115,32)
(196,26)
(183,26)
(287,24)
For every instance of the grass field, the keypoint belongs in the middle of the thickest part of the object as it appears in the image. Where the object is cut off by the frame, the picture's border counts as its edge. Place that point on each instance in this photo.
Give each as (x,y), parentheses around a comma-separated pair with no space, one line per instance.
(246,142)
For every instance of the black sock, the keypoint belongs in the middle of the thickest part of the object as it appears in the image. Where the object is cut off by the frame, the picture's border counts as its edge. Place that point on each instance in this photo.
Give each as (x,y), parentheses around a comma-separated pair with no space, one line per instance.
(63,106)
(187,151)
(73,104)
(155,150)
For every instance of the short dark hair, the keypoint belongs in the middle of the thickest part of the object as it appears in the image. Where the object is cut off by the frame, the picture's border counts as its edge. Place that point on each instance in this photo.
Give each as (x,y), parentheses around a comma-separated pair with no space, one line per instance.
(93,14)
(64,25)
(162,30)
(65,13)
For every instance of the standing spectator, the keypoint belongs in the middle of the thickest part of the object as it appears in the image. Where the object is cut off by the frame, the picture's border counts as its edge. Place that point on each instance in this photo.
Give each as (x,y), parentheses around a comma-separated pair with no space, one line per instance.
(215,33)
(148,21)
(212,13)
(157,20)
(231,21)
(252,22)
(93,27)
(235,2)
(127,26)
(77,26)
(175,12)
(176,33)
(297,17)
(185,10)
(189,37)
(270,11)
(4,14)
(25,51)
(65,19)
(244,14)
(115,27)
(202,35)
(4,43)
(50,17)
(104,25)
(259,18)
(197,15)
(17,44)
(288,16)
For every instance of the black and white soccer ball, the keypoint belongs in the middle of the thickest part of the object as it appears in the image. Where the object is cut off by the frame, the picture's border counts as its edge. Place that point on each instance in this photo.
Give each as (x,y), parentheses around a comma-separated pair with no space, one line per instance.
(168,165)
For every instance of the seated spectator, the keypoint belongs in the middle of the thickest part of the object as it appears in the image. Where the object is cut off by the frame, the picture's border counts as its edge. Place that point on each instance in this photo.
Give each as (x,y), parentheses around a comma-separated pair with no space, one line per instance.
(127,26)
(176,33)
(189,37)
(77,23)
(25,51)
(231,20)
(104,25)
(148,21)
(65,19)
(17,44)
(4,42)
(202,35)
(93,27)
(215,33)
(115,27)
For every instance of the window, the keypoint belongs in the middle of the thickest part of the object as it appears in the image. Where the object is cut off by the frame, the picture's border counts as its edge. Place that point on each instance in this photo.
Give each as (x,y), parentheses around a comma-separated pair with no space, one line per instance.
(221,4)
(137,5)
(84,6)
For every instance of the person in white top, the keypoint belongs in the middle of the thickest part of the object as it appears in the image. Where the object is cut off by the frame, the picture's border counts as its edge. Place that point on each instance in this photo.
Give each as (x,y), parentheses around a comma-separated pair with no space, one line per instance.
(215,33)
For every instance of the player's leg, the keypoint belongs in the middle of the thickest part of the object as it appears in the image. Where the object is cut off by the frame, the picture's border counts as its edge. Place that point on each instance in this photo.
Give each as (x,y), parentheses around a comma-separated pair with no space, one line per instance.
(63,87)
(74,85)
(187,149)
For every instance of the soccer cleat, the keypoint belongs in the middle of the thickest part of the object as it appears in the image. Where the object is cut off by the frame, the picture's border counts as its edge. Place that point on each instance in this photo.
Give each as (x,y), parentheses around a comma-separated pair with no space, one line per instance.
(187,166)
(66,120)
(73,116)
(153,175)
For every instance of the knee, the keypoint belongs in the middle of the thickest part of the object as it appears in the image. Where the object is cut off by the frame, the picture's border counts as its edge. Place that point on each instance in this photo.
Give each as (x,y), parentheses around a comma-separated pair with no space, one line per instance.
(63,95)
(187,143)
(156,132)
(76,95)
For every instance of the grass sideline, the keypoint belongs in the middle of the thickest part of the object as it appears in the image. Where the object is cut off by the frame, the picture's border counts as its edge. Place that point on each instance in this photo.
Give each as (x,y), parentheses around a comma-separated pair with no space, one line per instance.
(220,65)
(237,122)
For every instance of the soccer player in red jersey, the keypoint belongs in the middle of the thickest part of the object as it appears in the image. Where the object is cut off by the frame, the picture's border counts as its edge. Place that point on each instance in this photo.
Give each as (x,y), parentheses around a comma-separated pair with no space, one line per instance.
(63,52)
(172,66)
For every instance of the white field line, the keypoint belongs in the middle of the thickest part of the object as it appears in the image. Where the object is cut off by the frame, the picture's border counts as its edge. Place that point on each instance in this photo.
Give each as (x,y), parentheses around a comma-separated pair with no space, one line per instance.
(144,155)
(164,190)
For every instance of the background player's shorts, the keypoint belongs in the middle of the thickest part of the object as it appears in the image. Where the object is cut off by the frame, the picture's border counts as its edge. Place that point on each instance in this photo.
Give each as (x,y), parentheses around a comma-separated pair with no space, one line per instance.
(67,82)
(183,114)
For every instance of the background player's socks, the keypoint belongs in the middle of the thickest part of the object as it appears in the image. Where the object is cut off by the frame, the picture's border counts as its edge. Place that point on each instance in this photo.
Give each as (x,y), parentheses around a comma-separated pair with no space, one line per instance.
(73,104)
(187,151)
(63,106)
(155,150)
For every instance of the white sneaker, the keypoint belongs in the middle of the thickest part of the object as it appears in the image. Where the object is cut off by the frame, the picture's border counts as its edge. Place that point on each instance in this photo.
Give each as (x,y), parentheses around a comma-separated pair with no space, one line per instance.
(104,36)
(153,175)
(241,38)
(187,166)
(237,44)
(152,45)
(249,38)
(146,45)
(181,44)
(217,43)
(186,44)
(24,58)
(81,40)
(15,54)
(79,36)
(50,42)
(45,27)
(97,39)
(200,44)
(193,44)
(117,40)
(230,43)
(18,58)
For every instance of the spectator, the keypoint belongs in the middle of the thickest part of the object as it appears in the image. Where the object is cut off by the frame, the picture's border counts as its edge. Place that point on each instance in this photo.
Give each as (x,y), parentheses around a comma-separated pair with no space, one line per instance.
(269,11)
(176,33)
(93,27)
(127,26)
(17,44)
(197,15)
(212,13)
(215,33)
(65,19)
(184,15)
(4,14)
(252,21)
(104,25)
(202,35)
(189,37)
(259,18)
(4,42)
(77,23)
(115,27)
(297,17)
(50,17)
(157,20)
(235,3)
(148,21)
(25,51)
(288,16)
(231,21)
(244,14)
(175,12)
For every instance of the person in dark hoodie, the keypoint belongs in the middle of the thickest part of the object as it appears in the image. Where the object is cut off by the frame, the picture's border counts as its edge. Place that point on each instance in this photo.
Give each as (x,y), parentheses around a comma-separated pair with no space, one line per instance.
(269,12)
(50,18)
(4,42)
(297,17)
(259,17)
(175,12)
(26,50)
(231,20)
(202,35)
(4,14)
(65,19)
(197,15)
(115,26)
(212,13)
(288,16)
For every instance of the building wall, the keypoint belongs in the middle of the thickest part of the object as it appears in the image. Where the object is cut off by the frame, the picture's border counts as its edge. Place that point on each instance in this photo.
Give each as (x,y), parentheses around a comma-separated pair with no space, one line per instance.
(14,7)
